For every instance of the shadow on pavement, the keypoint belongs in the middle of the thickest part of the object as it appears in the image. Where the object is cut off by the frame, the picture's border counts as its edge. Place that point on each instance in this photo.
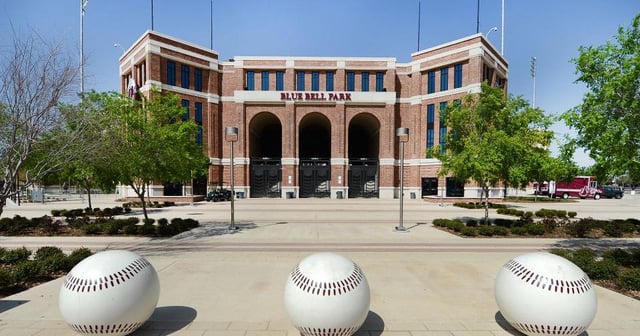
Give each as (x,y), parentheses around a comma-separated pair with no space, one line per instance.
(374,324)
(211,229)
(596,244)
(169,319)
(502,322)
(10,304)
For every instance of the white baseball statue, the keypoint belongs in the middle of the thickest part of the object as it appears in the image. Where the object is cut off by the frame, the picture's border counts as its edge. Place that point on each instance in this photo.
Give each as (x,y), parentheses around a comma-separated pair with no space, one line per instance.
(544,294)
(111,293)
(327,294)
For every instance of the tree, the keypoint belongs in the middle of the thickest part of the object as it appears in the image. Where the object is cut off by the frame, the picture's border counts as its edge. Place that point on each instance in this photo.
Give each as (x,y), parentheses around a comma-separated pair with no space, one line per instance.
(149,141)
(34,140)
(608,120)
(494,138)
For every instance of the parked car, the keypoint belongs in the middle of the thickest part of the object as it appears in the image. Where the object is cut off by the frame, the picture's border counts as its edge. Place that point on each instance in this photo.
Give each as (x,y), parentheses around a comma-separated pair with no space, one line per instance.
(612,191)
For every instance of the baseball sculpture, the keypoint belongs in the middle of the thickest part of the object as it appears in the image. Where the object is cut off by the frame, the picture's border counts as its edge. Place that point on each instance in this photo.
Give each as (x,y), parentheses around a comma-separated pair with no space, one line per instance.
(111,293)
(327,294)
(544,294)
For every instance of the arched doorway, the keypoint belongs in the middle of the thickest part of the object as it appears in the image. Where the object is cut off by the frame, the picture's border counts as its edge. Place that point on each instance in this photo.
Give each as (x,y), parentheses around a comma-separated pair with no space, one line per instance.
(265,150)
(314,134)
(364,145)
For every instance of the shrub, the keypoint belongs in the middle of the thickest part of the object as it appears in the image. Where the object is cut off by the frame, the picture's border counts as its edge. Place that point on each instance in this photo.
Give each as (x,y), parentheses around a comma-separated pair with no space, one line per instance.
(605,269)
(47,251)
(580,228)
(455,225)
(629,279)
(469,231)
(560,252)
(77,256)
(91,229)
(6,279)
(583,258)
(111,227)
(54,263)
(485,230)
(619,256)
(26,271)
(635,258)
(507,223)
(16,256)
(149,221)
(519,230)
(572,214)
(472,223)
(165,230)
(130,229)
(147,229)
(56,213)
(549,224)
(500,231)
(439,222)
(613,229)
(535,229)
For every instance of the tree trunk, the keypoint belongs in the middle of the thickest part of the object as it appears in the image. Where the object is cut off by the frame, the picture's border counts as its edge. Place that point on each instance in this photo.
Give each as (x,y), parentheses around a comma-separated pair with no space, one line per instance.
(485,191)
(3,201)
(140,191)
(89,197)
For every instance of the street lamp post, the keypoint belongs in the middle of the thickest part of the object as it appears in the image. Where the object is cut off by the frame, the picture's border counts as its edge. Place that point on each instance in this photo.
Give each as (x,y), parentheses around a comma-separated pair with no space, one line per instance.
(231,135)
(403,136)
(490,31)
(533,76)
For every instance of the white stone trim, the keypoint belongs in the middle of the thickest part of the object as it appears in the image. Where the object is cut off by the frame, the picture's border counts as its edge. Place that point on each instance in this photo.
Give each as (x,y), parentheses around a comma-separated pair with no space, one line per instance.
(357,97)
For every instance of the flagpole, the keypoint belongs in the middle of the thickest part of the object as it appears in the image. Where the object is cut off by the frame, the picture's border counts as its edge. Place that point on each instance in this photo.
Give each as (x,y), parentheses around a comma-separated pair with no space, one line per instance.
(211,25)
(502,31)
(419,25)
(151,14)
(82,4)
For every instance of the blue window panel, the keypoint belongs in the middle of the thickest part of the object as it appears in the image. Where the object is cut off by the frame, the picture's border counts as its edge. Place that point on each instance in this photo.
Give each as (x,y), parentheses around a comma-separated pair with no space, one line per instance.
(280,80)
(430,113)
(171,73)
(199,136)
(431,82)
(198,112)
(315,81)
(251,80)
(329,81)
(430,133)
(365,81)
(300,80)
(265,81)
(443,140)
(197,79)
(379,81)
(184,72)
(457,76)
(351,81)
(444,79)
(185,115)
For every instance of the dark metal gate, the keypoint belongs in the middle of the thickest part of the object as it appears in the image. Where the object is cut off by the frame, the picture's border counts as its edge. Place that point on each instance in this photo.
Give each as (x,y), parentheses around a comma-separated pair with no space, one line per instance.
(266,178)
(315,178)
(363,178)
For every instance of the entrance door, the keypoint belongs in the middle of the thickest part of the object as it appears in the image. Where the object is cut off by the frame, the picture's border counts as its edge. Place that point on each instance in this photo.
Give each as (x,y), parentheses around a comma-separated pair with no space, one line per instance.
(315,177)
(363,178)
(266,177)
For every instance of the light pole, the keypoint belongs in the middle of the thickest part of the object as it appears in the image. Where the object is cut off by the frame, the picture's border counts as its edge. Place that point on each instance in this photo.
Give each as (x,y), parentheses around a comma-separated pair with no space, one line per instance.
(119,46)
(403,136)
(533,76)
(490,31)
(231,135)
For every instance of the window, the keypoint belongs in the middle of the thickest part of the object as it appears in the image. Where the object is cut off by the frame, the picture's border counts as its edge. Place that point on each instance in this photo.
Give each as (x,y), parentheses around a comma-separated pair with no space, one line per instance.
(430,127)
(171,73)
(351,81)
(431,82)
(251,80)
(379,81)
(444,79)
(455,187)
(365,81)
(329,81)
(185,115)
(315,81)
(300,80)
(197,79)
(443,128)
(457,76)
(265,81)
(429,186)
(198,120)
(184,72)
(279,80)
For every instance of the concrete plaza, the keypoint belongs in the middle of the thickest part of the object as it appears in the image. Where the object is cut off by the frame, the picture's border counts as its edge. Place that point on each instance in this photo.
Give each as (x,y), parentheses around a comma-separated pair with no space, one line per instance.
(423,283)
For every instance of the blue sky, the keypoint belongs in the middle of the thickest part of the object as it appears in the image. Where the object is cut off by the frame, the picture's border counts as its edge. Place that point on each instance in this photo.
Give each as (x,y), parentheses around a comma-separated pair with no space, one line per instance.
(550,30)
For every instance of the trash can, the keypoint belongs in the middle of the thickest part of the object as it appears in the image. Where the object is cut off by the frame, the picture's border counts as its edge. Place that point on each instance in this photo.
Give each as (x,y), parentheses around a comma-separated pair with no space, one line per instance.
(240,194)
(289,194)
(339,195)
(412,195)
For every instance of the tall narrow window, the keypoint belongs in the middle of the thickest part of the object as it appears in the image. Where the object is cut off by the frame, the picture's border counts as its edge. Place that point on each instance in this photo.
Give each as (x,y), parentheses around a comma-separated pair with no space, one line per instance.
(351,81)
(184,72)
(279,80)
(431,82)
(430,127)
(251,80)
(198,120)
(329,81)
(457,76)
(185,115)
(443,128)
(197,79)
(379,81)
(315,81)
(300,80)
(171,73)
(444,79)
(365,81)
(265,81)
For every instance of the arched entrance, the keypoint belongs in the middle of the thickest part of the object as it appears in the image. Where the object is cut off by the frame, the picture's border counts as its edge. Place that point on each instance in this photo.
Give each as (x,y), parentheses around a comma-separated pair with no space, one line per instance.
(314,134)
(364,144)
(265,150)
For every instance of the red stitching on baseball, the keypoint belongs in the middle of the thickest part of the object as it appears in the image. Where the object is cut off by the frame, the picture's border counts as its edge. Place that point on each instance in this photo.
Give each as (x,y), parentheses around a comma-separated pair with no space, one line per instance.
(76,284)
(339,287)
(581,285)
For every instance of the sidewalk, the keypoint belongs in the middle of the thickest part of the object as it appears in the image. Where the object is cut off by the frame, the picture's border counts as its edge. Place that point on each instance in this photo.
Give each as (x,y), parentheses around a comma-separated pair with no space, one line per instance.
(423,283)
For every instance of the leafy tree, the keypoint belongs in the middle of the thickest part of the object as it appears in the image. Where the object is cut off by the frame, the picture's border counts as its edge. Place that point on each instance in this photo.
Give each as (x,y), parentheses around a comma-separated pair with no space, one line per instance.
(149,142)
(35,76)
(608,120)
(493,139)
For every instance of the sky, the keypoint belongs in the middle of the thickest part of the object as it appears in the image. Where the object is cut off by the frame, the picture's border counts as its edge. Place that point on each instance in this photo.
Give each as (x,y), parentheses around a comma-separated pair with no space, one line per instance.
(549,30)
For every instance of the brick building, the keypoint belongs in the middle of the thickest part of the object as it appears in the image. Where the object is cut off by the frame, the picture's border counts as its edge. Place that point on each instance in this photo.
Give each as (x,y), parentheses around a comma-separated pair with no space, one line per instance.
(317,126)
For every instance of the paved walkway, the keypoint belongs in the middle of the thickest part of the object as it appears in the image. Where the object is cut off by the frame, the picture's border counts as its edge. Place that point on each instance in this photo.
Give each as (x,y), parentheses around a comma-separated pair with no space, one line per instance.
(215,282)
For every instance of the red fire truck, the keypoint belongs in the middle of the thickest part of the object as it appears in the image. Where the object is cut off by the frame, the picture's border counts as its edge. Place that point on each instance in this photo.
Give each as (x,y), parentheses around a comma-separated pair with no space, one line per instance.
(581,186)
